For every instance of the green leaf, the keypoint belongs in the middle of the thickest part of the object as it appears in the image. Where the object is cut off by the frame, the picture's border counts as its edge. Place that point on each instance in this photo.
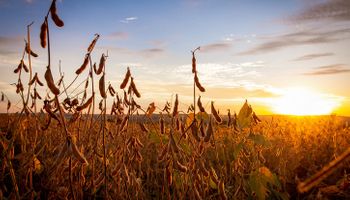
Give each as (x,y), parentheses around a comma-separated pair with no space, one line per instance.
(212,183)
(199,116)
(257,185)
(237,149)
(259,139)
(244,117)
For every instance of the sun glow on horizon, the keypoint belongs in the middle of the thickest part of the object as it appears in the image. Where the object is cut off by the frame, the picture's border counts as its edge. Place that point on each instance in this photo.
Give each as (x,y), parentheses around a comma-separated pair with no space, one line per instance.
(301,101)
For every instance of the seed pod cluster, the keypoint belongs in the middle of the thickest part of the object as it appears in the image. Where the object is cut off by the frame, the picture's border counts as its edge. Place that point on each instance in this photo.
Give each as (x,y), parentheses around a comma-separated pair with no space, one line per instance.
(20,66)
(50,82)
(54,16)
(19,87)
(36,94)
(43,34)
(215,113)
(83,66)
(35,79)
(126,79)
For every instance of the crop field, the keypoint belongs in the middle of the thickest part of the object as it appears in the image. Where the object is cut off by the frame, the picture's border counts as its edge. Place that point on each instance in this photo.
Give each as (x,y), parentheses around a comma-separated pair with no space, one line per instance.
(144,159)
(77,145)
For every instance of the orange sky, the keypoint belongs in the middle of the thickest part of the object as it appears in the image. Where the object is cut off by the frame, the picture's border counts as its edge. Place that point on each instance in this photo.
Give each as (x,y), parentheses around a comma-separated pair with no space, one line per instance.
(258,50)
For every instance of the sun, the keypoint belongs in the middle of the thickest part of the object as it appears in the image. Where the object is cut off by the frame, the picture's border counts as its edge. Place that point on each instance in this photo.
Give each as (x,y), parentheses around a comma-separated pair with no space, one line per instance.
(301,101)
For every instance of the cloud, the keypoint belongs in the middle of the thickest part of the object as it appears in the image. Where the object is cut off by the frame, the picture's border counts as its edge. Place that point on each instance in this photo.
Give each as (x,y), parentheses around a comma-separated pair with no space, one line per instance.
(258,63)
(151,52)
(129,19)
(336,10)
(185,91)
(148,53)
(5,52)
(305,37)
(118,36)
(215,74)
(10,40)
(215,47)
(313,56)
(329,69)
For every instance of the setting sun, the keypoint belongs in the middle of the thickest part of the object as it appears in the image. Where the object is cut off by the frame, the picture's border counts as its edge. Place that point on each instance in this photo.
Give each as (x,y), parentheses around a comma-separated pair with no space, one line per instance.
(300,101)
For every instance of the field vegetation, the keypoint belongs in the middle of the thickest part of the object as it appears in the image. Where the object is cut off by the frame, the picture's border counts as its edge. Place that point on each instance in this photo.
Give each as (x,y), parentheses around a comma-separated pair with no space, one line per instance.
(73,147)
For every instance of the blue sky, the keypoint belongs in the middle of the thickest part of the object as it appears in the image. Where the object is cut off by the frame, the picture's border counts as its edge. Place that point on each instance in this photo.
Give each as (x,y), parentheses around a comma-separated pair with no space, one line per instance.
(249,49)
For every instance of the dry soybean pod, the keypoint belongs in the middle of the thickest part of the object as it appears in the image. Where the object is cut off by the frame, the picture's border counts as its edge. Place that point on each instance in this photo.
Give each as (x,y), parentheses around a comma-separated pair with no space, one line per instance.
(43,34)
(215,113)
(85,105)
(55,18)
(101,86)
(209,132)
(126,79)
(200,105)
(101,65)
(50,82)
(176,106)
(198,84)
(93,43)
(134,89)
(83,66)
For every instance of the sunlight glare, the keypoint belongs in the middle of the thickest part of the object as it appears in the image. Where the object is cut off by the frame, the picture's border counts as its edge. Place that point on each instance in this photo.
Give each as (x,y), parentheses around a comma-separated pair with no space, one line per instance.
(300,101)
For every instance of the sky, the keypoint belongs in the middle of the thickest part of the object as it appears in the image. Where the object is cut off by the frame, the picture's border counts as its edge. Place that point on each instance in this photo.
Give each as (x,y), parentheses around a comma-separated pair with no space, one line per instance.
(262,51)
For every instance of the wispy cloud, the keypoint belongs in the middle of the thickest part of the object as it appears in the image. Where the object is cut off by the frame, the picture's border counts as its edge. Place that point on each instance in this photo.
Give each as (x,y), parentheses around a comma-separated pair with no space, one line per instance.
(329,69)
(147,53)
(151,52)
(215,74)
(215,47)
(305,37)
(258,63)
(118,36)
(336,10)
(129,19)
(313,56)
(10,40)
